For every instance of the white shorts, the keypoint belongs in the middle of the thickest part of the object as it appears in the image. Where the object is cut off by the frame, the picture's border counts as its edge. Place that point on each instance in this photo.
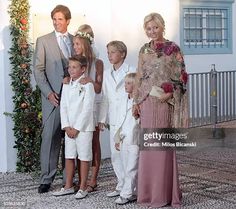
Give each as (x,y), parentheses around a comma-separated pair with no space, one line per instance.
(80,146)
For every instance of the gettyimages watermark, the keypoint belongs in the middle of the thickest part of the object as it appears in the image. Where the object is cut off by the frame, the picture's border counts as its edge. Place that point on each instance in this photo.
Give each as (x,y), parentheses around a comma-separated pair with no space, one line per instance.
(13,204)
(186,138)
(166,138)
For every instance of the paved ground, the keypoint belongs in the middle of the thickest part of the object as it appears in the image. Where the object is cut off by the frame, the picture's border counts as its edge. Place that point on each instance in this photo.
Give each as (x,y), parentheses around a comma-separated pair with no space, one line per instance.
(207,178)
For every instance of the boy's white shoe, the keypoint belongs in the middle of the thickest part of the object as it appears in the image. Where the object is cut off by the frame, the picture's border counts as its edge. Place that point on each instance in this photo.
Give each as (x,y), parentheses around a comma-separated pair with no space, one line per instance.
(64,191)
(123,200)
(113,194)
(81,194)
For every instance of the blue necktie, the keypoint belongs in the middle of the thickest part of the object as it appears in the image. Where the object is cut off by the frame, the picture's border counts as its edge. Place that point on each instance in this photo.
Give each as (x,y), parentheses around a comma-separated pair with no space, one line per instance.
(64,46)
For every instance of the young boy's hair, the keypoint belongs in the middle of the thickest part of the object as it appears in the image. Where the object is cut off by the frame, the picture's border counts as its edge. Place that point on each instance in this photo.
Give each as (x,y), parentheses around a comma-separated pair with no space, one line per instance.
(130,77)
(79,58)
(119,45)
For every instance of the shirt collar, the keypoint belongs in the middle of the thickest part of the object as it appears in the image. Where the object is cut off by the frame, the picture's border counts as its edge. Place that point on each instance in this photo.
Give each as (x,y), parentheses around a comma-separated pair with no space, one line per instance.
(124,68)
(58,34)
(76,82)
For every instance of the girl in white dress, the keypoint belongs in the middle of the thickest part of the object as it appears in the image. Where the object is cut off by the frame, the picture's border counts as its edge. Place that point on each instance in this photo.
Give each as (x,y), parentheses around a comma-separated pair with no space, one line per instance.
(84,45)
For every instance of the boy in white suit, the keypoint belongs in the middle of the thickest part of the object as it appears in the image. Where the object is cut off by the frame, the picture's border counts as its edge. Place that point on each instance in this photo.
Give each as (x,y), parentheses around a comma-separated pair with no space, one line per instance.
(126,140)
(77,120)
(113,93)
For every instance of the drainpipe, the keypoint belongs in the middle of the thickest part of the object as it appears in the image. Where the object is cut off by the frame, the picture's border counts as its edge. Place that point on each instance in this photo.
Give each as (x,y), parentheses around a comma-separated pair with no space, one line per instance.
(213,99)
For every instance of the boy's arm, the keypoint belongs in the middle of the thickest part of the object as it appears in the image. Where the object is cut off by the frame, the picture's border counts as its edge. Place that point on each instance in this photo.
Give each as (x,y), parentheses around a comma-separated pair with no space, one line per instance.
(103,106)
(117,138)
(85,120)
(64,109)
(117,146)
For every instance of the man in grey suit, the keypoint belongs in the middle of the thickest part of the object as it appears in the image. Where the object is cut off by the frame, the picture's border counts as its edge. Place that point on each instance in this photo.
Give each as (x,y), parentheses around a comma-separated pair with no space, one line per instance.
(50,66)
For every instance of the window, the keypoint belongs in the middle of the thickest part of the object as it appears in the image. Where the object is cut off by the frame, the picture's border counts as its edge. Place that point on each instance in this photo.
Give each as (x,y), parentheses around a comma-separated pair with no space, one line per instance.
(206,28)
(192,28)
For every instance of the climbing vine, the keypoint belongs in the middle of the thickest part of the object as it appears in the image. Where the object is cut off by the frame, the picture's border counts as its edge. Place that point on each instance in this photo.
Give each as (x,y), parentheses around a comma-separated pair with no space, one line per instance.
(26,114)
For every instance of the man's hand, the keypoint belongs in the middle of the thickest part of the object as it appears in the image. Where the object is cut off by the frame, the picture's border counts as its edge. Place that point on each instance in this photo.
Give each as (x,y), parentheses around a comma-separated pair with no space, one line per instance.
(53,99)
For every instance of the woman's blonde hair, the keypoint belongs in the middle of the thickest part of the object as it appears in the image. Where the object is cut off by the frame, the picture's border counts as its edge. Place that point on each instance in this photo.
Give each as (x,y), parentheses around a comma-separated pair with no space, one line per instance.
(87,50)
(87,29)
(156,17)
(86,36)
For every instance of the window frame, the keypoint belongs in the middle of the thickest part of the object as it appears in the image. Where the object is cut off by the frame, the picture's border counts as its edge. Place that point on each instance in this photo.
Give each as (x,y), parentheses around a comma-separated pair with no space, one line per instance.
(207,48)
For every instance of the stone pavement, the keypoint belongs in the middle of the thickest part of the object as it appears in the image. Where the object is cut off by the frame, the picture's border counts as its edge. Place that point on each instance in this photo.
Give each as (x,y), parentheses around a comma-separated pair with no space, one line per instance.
(207,178)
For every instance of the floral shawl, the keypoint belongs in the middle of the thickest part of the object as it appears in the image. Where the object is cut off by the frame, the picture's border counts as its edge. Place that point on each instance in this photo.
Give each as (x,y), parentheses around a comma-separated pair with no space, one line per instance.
(163,65)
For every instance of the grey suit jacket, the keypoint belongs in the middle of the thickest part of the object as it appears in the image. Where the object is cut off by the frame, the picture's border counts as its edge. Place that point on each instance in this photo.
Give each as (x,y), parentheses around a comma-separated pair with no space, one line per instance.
(48,69)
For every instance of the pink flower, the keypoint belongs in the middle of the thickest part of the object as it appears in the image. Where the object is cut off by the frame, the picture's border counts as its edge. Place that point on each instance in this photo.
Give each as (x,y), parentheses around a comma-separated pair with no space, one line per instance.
(169,49)
(23,28)
(23,21)
(159,46)
(167,87)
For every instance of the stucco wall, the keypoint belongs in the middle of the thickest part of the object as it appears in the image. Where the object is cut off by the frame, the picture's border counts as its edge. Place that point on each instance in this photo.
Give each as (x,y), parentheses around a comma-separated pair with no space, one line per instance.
(7,153)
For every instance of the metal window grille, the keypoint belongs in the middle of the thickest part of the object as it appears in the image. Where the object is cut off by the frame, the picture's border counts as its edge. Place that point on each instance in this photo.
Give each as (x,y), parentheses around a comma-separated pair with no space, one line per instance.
(205,27)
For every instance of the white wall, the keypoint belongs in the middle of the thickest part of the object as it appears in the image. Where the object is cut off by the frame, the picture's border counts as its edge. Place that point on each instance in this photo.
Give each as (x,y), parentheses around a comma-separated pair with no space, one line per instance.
(116,19)
(7,153)
(123,20)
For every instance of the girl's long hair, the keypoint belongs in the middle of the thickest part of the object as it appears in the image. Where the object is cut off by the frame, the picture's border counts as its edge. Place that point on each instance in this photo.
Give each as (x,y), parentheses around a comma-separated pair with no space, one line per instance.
(87,51)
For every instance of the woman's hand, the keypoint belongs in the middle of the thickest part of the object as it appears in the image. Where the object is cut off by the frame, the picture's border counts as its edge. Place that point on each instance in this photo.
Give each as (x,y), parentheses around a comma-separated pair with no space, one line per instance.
(66,80)
(86,80)
(166,96)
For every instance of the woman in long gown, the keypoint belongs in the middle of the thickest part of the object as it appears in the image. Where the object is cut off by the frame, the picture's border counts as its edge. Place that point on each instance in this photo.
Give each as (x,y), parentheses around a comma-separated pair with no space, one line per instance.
(161,67)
